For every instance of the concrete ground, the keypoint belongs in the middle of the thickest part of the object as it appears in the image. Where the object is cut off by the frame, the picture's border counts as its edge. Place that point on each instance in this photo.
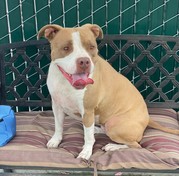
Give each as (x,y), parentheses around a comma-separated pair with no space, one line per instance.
(66,173)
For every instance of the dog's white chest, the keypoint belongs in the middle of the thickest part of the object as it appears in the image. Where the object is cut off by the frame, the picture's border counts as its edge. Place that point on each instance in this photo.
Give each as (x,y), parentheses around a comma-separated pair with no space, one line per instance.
(64,95)
(72,103)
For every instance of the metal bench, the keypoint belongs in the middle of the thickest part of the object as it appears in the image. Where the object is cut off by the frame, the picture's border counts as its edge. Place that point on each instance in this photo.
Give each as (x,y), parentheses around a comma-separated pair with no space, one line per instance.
(150,62)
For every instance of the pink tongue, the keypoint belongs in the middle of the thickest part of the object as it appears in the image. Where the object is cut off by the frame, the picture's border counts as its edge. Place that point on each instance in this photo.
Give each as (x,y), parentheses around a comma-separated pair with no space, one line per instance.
(81,80)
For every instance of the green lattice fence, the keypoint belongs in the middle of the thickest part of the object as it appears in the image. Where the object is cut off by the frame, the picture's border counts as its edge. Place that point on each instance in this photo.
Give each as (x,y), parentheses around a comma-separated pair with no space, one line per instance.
(21,19)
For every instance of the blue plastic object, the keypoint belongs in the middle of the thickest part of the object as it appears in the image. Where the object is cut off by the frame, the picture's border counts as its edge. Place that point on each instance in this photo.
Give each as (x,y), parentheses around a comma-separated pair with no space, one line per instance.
(7,124)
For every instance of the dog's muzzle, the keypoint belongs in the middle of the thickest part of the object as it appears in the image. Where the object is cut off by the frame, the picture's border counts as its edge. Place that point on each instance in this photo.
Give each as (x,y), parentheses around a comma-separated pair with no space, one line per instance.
(77,80)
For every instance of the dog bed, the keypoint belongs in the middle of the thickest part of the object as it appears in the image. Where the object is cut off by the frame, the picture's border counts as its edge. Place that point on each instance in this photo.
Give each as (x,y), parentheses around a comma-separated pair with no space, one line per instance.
(160,150)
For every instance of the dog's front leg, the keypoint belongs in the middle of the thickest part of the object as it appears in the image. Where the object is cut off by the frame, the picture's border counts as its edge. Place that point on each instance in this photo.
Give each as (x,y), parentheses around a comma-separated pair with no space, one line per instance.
(59,119)
(89,139)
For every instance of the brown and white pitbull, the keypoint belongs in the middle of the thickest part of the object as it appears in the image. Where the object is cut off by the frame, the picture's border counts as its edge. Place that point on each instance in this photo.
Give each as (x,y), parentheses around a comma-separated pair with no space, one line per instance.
(83,85)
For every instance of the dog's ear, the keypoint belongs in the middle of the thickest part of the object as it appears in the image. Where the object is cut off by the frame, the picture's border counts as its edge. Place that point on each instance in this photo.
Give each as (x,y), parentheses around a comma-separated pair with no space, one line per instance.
(97,31)
(49,31)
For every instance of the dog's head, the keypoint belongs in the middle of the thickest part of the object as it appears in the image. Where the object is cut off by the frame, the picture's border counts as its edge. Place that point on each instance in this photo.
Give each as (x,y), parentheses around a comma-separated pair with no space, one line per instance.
(73,50)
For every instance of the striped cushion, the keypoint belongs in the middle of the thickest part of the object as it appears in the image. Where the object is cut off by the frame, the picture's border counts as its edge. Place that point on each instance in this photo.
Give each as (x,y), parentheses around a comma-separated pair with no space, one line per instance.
(164,145)
(160,150)
(28,148)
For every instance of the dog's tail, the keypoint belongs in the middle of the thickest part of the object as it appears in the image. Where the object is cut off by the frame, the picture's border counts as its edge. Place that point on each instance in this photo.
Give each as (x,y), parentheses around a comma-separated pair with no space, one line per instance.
(156,125)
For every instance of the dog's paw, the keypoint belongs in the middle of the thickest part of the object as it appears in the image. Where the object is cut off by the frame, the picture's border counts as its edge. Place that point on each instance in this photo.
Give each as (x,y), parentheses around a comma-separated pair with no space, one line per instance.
(53,143)
(85,153)
(113,147)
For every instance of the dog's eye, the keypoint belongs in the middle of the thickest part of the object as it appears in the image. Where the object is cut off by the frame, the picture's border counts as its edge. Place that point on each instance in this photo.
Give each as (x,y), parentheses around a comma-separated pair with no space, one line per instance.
(92,47)
(66,48)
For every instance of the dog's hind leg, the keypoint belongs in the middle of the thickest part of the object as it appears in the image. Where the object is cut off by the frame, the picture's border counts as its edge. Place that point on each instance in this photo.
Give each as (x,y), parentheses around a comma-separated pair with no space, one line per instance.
(113,147)
(124,139)
(126,133)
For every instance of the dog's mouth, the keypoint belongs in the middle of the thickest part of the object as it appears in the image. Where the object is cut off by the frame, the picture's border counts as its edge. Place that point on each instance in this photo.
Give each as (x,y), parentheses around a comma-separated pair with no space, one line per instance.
(78,80)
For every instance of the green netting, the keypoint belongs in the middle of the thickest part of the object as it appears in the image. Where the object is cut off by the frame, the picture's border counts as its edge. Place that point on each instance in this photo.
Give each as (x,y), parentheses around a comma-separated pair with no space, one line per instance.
(21,20)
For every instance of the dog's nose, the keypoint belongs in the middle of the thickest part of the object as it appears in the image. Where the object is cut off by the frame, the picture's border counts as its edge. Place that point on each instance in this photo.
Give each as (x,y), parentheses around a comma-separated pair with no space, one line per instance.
(83,64)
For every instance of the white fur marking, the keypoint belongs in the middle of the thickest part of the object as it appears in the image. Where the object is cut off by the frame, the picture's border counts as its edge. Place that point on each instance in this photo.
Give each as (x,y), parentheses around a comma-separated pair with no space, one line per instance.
(59,118)
(89,142)
(68,63)
(66,96)
(113,147)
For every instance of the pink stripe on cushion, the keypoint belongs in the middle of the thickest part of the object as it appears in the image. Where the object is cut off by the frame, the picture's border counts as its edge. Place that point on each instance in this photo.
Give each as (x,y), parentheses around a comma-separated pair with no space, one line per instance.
(161,111)
(161,143)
